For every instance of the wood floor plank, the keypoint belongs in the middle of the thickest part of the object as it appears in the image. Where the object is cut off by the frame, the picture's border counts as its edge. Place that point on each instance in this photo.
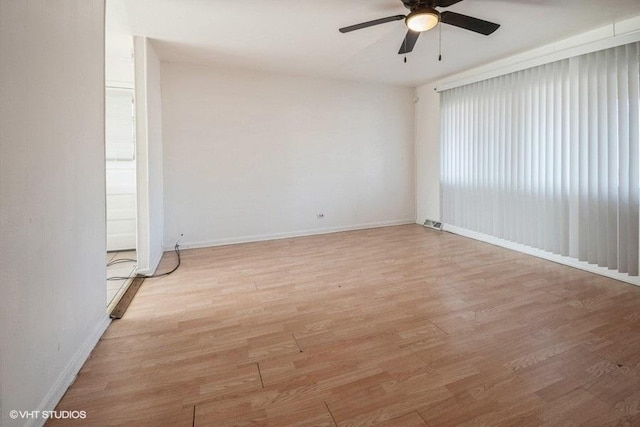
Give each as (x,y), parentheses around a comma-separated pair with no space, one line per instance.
(390,326)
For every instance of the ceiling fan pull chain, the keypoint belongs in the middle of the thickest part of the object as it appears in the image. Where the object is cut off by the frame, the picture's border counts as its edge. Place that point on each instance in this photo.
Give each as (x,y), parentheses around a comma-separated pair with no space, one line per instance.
(439,42)
(405,50)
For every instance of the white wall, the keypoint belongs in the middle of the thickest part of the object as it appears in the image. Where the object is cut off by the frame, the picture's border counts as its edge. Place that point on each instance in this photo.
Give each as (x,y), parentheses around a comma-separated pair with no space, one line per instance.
(427,154)
(149,156)
(52,219)
(251,156)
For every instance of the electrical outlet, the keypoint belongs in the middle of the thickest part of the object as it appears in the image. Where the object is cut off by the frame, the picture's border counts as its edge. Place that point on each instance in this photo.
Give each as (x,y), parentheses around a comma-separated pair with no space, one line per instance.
(320,216)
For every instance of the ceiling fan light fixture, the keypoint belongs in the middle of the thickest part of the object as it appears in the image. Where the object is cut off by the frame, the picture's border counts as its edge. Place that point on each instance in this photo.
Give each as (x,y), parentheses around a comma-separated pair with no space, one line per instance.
(422,20)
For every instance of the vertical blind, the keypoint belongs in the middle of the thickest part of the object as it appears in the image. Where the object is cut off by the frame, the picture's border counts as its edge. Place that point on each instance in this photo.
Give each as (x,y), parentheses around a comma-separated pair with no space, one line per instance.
(548,157)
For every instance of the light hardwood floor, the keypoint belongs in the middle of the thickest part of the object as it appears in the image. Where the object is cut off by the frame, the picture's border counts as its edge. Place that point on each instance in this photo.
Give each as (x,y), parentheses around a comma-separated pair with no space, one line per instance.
(398,326)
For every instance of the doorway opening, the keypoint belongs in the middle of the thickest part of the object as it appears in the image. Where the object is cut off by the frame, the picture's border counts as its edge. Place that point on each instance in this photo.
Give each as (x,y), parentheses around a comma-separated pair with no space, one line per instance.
(120,153)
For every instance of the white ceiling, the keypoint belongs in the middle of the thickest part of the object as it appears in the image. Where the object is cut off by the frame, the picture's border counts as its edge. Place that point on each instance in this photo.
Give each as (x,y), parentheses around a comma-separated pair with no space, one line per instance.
(300,37)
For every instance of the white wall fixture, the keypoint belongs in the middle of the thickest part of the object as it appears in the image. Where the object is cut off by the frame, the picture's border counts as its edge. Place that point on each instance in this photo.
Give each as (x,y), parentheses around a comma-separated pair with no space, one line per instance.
(430,223)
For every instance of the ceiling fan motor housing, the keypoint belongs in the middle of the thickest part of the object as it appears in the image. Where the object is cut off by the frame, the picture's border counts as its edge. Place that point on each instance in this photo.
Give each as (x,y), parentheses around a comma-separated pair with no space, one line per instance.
(414,5)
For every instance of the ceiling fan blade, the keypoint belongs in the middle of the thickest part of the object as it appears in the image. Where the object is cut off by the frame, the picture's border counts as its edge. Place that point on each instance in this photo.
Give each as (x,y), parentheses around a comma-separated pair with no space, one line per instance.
(371,23)
(447,3)
(409,42)
(468,22)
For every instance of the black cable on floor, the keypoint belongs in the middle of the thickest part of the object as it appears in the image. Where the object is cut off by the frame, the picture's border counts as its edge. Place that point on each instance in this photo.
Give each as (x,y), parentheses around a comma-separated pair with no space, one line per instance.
(176,248)
(121,261)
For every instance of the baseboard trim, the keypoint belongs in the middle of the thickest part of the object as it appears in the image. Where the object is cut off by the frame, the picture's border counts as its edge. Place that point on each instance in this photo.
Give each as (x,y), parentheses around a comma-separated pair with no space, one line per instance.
(560,259)
(68,375)
(287,235)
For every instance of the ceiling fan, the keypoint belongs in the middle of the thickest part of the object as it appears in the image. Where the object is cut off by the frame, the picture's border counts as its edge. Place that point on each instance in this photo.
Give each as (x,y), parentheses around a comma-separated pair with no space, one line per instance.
(423,16)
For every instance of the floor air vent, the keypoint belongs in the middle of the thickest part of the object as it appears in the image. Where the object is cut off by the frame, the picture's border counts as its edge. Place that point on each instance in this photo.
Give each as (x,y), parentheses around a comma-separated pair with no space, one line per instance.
(436,225)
